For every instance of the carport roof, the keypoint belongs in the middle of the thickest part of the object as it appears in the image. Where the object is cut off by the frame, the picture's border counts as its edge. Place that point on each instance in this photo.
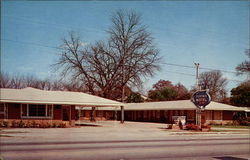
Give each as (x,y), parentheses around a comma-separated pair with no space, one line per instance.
(32,95)
(180,105)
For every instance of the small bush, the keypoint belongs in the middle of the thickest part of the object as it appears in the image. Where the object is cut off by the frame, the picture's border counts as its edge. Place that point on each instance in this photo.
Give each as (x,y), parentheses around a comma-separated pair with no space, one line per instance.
(7,124)
(28,124)
(206,126)
(245,123)
(21,124)
(32,124)
(49,125)
(193,127)
(169,126)
(235,123)
(55,125)
(14,123)
(2,123)
(62,125)
(42,125)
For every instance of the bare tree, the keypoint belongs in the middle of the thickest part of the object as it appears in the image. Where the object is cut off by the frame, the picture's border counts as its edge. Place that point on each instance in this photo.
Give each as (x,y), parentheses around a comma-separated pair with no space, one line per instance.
(244,67)
(75,86)
(31,81)
(216,84)
(107,66)
(5,80)
(17,81)
(22,81)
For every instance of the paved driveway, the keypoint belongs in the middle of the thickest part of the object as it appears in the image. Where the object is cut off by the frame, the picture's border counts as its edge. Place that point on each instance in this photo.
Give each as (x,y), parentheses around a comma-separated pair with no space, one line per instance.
(106,130)
(112,140)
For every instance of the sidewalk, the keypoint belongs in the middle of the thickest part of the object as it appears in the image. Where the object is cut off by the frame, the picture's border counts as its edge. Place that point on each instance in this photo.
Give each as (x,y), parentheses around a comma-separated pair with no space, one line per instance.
(231,129)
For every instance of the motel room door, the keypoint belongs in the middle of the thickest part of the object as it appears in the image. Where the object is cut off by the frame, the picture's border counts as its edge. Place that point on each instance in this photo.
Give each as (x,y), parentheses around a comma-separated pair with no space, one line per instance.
(66,113)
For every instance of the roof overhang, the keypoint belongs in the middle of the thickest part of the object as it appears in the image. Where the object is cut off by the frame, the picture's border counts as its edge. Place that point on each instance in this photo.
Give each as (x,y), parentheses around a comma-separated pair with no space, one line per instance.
(36,96)
(180,105)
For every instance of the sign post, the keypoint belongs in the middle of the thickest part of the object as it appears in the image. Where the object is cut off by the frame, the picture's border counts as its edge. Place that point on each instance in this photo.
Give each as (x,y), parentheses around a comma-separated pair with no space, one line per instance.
(200,99)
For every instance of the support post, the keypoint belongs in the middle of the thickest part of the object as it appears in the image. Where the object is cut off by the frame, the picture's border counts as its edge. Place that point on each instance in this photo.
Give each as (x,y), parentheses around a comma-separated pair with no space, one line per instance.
(79,114)
(198,117)
(198,112)
(92,118)
(52,113)
(115,114)
(122,114)
(70,121)
(7,110)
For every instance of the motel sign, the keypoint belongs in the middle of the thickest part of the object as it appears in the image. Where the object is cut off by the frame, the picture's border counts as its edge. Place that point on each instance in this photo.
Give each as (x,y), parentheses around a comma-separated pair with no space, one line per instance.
(201,99)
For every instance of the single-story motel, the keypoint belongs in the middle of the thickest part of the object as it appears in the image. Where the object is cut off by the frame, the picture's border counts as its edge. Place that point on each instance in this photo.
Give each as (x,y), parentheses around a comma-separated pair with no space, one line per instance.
(40,105)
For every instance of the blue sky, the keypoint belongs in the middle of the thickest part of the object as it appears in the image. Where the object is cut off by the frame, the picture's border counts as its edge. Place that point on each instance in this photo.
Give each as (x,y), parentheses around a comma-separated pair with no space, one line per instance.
(213,33)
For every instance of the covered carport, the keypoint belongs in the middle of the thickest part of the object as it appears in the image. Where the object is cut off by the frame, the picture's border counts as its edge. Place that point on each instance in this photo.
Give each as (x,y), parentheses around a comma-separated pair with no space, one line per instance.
(94,115)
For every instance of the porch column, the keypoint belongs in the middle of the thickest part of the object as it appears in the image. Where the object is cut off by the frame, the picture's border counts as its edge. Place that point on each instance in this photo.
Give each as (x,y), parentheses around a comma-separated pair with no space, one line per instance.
(122,114)
(70,122)
(92,116)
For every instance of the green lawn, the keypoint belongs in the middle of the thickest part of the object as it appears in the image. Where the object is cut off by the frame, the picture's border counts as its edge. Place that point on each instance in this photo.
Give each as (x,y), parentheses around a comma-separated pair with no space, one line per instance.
(230,126)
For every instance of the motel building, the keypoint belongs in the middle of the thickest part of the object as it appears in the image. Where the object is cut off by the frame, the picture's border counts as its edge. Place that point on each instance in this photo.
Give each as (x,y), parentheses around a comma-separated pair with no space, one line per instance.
(30,104)
(69,107)
(165,112)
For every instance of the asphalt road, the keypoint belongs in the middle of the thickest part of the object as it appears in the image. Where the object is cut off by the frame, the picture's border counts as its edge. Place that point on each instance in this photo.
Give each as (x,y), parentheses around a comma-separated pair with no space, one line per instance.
(132,140)
(208,148)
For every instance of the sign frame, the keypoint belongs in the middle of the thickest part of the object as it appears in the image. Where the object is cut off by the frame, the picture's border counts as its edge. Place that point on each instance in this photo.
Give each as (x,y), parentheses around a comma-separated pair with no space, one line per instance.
(201,99)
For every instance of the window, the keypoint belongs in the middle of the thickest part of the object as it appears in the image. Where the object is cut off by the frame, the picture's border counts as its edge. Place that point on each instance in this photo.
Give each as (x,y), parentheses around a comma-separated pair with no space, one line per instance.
(36,110)
(190,115)
(217,115)
(1,107)
(208,115)
(2,111)
(24,109)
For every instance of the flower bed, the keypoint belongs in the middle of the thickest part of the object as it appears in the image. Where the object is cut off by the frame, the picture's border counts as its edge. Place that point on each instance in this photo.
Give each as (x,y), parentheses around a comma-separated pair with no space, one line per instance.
(31,124)
(194,127)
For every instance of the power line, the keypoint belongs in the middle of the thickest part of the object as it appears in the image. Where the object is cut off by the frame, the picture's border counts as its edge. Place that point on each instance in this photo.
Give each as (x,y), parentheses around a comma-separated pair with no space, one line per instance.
(30,43)
(212,69)
(178,65)
(181,73)
(189,34)
(192,75)
(172,64)
(57,25)
(185,66)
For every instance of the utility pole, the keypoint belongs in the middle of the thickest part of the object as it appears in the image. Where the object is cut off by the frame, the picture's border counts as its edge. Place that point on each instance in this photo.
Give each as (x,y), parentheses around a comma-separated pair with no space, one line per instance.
(197,75)
(123,91)
(198,111)
(123,80)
